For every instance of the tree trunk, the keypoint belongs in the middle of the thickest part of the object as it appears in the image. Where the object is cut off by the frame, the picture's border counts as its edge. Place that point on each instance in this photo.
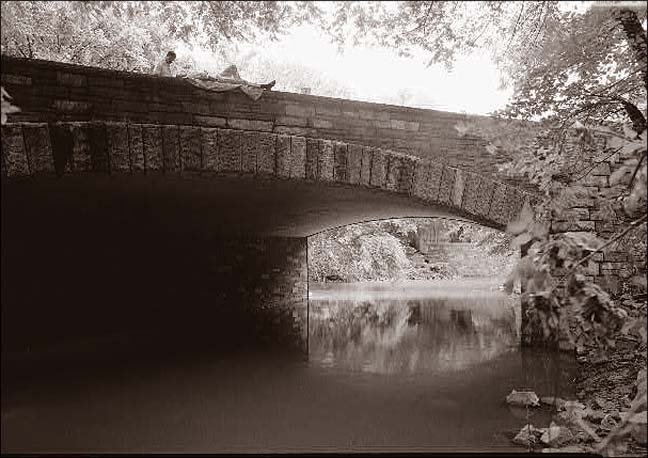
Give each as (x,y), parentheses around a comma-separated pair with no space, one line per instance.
(636,38)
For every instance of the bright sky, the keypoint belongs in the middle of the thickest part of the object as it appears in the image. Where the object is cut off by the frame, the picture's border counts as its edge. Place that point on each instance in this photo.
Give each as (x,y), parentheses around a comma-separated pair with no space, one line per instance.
(379,75)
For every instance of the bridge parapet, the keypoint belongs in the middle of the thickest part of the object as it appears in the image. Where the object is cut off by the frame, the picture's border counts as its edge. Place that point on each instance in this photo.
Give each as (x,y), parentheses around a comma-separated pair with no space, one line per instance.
(51,91)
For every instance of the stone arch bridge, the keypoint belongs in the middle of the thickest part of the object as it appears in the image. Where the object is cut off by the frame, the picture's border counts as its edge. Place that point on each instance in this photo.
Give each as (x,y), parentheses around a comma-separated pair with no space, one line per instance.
(133,201)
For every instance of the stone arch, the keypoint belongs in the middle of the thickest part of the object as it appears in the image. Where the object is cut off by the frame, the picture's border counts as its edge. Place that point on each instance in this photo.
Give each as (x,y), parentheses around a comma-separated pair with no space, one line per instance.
(110,148)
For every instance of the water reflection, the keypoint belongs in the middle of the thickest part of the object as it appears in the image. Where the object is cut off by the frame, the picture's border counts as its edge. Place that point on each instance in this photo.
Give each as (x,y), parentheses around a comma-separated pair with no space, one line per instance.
(374,333)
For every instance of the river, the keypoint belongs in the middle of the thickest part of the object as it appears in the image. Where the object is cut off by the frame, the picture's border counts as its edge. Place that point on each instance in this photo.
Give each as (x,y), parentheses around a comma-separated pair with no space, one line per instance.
(414,366)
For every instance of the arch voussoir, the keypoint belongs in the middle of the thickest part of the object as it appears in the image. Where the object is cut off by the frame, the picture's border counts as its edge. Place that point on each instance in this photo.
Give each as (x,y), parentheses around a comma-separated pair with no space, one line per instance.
(124,148)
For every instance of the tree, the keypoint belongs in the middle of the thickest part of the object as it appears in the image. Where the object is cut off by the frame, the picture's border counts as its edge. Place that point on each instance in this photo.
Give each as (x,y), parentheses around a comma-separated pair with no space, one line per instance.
(583,74)
(134,35)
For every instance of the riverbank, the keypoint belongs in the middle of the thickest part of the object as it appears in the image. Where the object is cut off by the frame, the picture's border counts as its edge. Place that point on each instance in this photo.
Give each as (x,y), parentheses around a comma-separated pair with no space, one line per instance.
(606,386)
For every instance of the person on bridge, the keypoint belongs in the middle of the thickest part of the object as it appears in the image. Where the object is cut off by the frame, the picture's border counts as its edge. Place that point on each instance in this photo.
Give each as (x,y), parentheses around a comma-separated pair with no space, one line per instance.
(231,75)
(166,67)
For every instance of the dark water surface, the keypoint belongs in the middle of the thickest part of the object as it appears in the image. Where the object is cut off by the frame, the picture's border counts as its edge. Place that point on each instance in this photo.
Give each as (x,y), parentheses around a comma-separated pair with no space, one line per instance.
(392,367)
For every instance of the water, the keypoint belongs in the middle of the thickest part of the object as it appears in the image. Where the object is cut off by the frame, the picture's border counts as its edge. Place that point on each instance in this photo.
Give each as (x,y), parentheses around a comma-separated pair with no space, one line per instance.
(392,367)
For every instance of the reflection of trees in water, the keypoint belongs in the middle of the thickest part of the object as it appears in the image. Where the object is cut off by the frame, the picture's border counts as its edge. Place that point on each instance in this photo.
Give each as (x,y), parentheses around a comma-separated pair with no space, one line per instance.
(392,336)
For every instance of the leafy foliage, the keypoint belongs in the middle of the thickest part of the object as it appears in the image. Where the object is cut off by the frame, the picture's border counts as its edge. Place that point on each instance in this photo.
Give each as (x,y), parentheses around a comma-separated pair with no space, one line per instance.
(386,250)
(134,35)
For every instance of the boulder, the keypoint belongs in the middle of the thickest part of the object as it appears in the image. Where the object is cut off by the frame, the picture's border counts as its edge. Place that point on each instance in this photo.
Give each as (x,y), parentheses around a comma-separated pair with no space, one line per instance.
(527,436)
(523,398)
(556,436)
(559,403)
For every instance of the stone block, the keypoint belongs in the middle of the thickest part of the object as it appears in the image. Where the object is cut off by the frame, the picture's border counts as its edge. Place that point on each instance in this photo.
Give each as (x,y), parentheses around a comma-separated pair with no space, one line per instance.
(210,121)
(250,124)
(365,172)
(249,149)
(404,125)
(282,151)
(300,111)
(378,167)
(266,148)
(170,150)
(135,106)
(117,135)
(297,157)
(325,110)
(291,121)
(312,154)
(13,152)
(484,196)
(602,169)
(433,184)
(340,162)
(209,137)
(16,79)
(615,256)
(573,214)
(471,192)
(190,148)
(229,153)
(38,148)
(446,189)
(81,151)
(99,150)
(326,160)
(458,188)
(419,184)
(406,181)
(373,114)
(298,131)
(600,181)
(354,163)
(394,166)
(71,79)
(322,123)
(381,124)
(106,82)
(198,108)
(498,207)
(136,146)
(573,226)
(72,106)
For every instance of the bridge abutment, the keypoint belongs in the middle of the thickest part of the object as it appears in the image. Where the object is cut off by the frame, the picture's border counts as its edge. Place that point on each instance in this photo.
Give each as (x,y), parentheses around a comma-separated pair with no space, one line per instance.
(73,278)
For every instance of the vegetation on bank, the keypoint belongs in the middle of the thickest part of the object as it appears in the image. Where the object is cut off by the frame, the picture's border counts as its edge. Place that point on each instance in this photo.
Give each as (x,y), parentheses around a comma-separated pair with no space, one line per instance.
(392,250)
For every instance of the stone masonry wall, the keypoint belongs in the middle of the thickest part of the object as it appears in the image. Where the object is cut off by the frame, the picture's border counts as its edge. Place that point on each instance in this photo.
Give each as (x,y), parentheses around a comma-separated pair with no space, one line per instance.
(614,264)
(48,91)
